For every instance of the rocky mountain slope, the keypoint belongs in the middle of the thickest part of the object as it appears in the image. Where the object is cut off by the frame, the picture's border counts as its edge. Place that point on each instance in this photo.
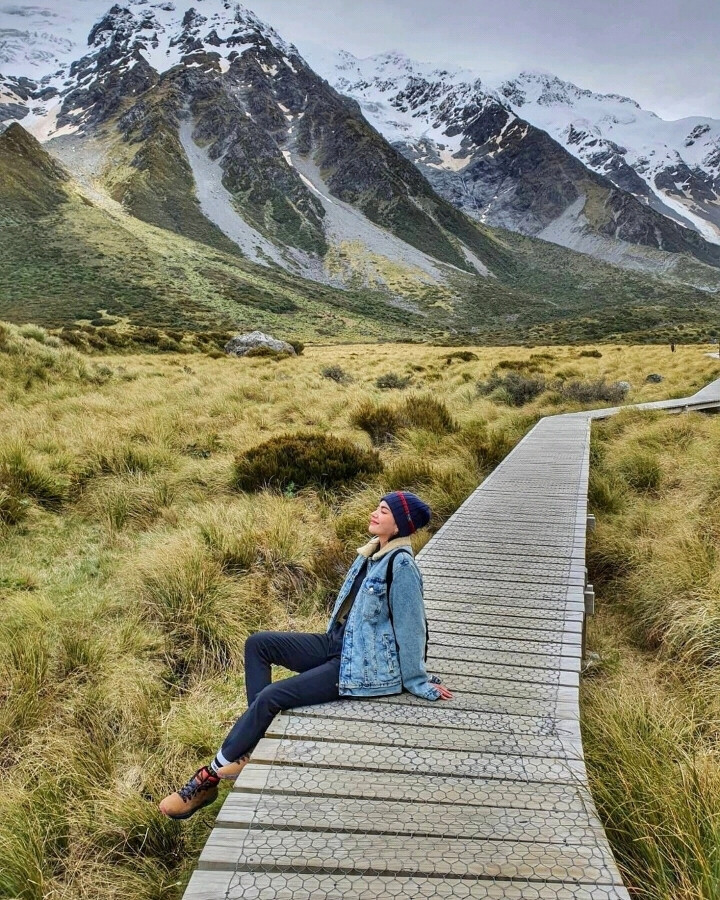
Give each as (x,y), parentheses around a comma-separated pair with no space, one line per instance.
(247,185)
(543,157)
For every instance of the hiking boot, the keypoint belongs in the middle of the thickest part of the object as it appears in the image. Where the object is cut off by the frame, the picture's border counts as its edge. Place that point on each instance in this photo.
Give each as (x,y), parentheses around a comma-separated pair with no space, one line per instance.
(232,770)
(201,790)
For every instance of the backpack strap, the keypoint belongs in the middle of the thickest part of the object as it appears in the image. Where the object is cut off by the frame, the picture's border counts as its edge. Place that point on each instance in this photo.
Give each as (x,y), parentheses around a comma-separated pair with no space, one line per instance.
(388,581)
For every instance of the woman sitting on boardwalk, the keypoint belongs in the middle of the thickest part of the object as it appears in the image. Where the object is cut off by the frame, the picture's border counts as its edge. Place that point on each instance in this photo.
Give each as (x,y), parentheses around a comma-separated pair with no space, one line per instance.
(375,645)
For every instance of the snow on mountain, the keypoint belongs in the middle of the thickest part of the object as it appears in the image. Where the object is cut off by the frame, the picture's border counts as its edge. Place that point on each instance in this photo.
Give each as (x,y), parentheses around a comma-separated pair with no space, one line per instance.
(673,166)
(46,53)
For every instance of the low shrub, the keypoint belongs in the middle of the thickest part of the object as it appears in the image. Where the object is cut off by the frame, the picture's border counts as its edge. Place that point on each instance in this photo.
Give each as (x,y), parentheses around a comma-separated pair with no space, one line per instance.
(525,366)
(297,346)
(462,355)
(514,389)
(596,390)
(337,374)
(301,460)
(428,413)
(593,354)
(379,421)
(263,352)
(392,381)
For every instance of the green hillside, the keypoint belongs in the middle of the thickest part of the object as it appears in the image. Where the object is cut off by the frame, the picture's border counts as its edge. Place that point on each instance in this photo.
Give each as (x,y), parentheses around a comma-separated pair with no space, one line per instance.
(65,254)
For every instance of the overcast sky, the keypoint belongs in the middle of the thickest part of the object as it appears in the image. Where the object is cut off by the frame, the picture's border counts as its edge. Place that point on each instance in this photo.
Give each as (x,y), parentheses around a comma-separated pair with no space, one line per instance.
(663,53)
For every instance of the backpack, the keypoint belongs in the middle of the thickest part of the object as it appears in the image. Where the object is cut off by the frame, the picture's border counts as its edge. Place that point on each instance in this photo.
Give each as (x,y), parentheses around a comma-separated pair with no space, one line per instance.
(388,581)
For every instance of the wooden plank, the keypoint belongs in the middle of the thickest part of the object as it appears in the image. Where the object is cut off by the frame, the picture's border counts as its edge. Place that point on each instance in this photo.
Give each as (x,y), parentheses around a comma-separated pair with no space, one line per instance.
(505,672)
(525,643)
(499,687)
(403,855)
(570,797)
(506,626)
(513,658)
(466,764)
(439,715)
(491,609)
(270,885)
(559,706)
(389,816)
(557,743)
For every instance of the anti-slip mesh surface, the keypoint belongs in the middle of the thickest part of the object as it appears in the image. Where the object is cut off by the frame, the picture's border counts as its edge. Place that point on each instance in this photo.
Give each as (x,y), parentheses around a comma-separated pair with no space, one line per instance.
(481,796)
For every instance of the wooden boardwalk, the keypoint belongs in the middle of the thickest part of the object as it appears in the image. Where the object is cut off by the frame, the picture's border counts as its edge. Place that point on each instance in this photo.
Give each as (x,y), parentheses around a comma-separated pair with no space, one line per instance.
(483,796)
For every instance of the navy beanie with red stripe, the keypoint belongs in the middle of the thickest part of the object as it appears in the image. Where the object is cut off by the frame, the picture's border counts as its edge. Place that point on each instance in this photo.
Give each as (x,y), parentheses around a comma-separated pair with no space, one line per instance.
(409,511)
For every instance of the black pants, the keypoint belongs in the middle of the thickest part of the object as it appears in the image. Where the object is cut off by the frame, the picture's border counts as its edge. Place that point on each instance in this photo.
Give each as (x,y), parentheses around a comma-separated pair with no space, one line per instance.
(315,656)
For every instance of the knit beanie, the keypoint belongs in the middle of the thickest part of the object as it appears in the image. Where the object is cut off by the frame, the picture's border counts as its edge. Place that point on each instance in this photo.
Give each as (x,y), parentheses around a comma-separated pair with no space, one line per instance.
(409,511)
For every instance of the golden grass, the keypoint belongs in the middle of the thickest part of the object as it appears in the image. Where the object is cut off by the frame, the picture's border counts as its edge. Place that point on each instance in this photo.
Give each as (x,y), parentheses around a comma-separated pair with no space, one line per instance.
(133,571)
(651,716)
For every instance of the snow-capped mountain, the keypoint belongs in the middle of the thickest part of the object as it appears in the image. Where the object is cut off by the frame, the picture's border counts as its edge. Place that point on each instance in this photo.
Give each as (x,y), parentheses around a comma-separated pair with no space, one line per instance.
(673,167)
(196,117)
(48,76)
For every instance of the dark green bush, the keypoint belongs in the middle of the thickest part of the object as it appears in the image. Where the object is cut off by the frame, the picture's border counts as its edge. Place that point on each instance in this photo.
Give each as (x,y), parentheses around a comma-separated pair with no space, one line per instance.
(428,413)
(148,336)
(392,381)
(514,389)
(74,337)
(167,345)
(297,346)
(336,373)
(380,422)
(302,460)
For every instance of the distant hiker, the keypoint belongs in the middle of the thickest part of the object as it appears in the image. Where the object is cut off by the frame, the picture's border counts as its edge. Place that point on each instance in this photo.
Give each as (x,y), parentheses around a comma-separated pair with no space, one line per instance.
(672,346)
(380,609)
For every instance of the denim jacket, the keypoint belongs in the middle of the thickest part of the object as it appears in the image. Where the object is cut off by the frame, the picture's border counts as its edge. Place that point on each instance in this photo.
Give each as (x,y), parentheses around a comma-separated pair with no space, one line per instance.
(376,660)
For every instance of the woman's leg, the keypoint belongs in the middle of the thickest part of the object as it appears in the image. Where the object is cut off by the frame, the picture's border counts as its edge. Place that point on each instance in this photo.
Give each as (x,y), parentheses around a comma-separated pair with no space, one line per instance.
(292,649)
(317,685)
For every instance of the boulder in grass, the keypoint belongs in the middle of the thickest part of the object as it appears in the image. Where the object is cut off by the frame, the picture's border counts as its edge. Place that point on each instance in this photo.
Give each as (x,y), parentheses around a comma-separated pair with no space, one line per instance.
(242,344)
(654,378)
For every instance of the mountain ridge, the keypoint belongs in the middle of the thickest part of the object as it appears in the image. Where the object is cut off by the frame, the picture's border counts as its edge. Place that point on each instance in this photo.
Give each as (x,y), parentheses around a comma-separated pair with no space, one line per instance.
(238,146)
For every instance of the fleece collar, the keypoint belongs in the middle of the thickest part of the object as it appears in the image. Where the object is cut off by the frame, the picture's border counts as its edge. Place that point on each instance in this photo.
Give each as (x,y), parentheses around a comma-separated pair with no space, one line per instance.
(371,548)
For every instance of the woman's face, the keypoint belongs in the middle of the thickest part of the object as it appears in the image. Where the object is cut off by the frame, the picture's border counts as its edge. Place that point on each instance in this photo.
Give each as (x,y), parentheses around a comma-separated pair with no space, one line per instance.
(382,523)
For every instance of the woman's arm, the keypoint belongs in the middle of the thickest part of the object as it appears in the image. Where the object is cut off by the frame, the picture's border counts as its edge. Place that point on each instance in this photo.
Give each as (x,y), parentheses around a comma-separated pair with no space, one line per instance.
(408,616)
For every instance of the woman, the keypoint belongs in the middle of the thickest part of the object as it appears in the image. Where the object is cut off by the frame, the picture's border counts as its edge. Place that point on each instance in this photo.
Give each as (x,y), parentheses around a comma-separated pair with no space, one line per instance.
(374,646)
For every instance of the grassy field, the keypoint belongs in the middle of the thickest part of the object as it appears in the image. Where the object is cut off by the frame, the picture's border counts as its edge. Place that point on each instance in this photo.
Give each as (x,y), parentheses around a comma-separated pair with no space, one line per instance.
(134,569)
(651,707)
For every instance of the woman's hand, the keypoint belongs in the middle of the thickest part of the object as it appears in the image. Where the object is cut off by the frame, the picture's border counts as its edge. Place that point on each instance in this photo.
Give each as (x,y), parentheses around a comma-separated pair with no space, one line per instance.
(445,694)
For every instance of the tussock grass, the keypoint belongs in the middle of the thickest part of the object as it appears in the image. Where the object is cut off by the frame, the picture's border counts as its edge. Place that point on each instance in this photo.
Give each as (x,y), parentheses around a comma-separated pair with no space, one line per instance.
(651,720)
(133,569)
